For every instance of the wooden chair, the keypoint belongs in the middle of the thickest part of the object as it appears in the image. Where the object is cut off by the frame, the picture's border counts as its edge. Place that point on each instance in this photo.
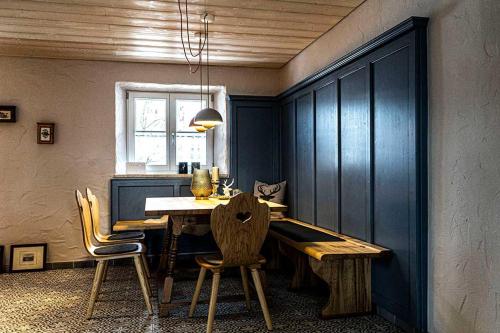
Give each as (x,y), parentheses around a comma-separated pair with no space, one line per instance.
(103,253)
(96,221)
(239,229)
(122,237)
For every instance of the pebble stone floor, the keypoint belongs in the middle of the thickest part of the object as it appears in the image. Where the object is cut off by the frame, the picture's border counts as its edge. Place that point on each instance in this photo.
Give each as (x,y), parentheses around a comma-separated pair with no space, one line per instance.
(56,300)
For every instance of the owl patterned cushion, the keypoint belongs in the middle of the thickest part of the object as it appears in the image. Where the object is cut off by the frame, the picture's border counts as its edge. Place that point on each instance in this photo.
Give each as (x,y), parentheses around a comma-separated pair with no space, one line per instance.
(271,192)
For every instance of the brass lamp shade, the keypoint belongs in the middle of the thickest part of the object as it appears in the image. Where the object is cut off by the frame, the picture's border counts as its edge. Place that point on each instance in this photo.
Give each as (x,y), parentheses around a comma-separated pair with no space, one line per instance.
(198,128)
(208,118)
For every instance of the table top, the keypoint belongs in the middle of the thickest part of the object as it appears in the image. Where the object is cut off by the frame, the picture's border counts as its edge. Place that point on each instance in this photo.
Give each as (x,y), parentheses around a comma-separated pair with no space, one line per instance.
(176,206)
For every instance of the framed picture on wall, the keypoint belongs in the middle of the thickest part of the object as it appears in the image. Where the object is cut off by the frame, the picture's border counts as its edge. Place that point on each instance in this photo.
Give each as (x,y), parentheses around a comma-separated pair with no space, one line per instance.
(1,258)
(28,257)
(7,114)
(45,133)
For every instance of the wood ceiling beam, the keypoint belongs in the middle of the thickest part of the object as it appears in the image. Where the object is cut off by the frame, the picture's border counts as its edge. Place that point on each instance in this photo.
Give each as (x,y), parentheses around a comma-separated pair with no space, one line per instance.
(83,54)
(140,42)
(81,29)
(104,21)
(174,52)
(330,8)
(79,7)
(343,3)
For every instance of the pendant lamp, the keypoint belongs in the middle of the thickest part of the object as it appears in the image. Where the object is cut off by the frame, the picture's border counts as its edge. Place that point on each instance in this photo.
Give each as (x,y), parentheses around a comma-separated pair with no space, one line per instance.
(198,128)
(207,117)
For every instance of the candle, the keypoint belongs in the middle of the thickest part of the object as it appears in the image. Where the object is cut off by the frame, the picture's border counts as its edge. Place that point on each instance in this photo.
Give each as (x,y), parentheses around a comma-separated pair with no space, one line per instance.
(215,174)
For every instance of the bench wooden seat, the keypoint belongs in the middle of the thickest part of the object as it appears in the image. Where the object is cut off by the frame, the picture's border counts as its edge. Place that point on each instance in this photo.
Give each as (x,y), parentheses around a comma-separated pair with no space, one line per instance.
(344,263)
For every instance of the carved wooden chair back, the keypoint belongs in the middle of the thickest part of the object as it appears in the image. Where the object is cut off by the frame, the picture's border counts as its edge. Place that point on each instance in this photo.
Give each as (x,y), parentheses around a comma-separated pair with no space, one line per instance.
(86,221)
(94,210)
(240,228)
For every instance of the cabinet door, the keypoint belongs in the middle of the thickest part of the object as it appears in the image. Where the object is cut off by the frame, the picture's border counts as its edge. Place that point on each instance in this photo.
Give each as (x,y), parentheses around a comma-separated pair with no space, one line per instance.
(355,154)
(255,139)
(305,159)
(327,156)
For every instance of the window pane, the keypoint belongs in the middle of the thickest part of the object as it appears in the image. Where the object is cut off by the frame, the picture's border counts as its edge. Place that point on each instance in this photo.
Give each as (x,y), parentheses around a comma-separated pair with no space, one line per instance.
(150,147)
(150,114)
(185,110)
(191,147)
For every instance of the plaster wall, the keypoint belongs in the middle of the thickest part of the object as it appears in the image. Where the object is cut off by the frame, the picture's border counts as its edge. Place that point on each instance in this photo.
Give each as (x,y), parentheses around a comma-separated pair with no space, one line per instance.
(37,181)
(464,142)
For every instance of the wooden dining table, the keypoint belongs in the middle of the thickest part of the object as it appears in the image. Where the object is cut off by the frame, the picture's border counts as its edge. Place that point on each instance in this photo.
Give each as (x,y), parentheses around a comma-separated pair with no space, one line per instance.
(181,211)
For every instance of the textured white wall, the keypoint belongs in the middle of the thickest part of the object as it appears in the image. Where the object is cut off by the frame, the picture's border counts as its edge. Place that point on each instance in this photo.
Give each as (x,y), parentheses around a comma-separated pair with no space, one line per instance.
(37,181)
(464,141)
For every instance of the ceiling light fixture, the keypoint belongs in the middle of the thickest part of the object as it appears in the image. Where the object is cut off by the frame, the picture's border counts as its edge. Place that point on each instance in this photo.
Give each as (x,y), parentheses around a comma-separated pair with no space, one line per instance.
(207,117)
(198,128)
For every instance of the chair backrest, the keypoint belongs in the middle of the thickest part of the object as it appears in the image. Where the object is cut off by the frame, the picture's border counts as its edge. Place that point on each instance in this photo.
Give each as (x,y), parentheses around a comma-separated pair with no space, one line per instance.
(94,212)
(86,221)
(240,228)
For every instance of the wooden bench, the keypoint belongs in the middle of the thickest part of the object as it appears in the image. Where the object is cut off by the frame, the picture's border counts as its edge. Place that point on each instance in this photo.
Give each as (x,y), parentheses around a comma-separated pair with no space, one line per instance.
(343,262)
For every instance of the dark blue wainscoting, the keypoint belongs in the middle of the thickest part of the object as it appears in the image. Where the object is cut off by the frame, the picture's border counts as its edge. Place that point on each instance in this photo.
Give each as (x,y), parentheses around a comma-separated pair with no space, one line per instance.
(354,153)
(128,200)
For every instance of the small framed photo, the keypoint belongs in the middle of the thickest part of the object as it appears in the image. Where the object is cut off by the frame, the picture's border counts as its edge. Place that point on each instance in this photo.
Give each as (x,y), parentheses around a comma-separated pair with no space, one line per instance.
(28,257)
(7,114)
(183,167)
(45,133)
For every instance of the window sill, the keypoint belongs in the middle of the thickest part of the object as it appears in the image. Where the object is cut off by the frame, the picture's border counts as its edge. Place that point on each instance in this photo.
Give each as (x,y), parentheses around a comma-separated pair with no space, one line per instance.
(157,175)
(152,175)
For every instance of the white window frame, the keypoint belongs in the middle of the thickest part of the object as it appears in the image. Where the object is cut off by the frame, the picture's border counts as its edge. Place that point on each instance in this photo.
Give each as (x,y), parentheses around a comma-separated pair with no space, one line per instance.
(170,129)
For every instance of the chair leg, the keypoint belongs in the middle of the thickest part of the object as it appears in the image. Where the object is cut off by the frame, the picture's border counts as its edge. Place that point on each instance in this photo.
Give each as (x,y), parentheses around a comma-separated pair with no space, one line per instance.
(103,277)
(213,301)
(197,291)
(142,280)
(95,287)
(146,266)
(244,280)
(262,298)
(144,269)
(105,274)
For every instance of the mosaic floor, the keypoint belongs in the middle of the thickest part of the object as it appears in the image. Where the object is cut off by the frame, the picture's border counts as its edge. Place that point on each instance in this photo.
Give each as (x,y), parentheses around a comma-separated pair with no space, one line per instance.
(55,301)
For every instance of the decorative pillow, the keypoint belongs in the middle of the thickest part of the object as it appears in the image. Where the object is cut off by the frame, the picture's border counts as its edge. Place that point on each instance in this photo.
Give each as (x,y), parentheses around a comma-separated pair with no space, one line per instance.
(271,192)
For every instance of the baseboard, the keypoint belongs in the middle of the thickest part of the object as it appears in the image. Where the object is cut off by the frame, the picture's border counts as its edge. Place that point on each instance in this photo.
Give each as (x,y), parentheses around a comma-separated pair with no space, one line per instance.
(395,320)
(181,257)
(78,264)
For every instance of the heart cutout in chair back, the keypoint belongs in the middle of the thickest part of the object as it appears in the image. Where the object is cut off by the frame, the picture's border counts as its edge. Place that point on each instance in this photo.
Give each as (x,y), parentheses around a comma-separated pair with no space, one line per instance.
(244,217)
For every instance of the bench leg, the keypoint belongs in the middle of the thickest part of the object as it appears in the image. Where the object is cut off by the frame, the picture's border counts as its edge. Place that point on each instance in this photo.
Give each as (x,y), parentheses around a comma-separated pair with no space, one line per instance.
(349,281)
(272,253)
(302,275)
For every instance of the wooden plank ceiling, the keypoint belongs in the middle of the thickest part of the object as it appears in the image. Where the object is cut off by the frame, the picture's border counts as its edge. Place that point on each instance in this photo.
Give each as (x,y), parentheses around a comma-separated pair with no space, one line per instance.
(253,33)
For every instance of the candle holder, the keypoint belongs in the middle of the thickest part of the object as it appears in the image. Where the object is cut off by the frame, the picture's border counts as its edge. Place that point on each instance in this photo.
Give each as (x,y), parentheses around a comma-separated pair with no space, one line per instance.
(215,182)
(215,189)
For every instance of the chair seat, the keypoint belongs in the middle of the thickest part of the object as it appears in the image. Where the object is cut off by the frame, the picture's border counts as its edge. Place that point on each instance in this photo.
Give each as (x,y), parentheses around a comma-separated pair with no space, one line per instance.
(127,235)
(117,249)
(212,261)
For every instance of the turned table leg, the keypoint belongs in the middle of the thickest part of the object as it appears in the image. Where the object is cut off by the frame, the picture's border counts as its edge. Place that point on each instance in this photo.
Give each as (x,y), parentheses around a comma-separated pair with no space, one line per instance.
(177,222)
(349,281)
(165,248)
